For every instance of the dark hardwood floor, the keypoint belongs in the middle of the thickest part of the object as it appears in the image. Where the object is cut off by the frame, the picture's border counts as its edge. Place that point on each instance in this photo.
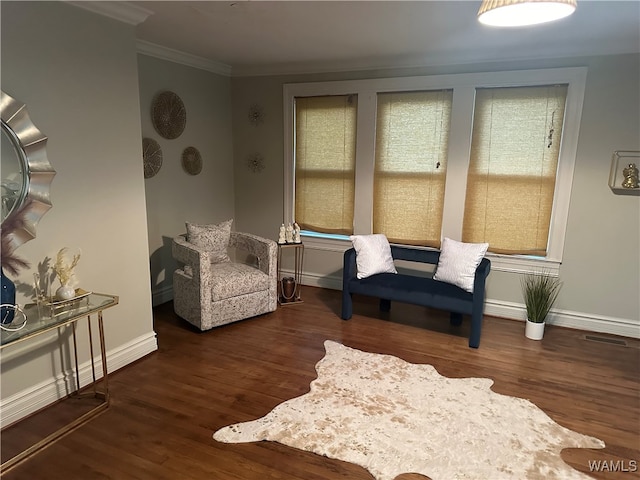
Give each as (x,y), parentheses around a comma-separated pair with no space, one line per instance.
(166,406)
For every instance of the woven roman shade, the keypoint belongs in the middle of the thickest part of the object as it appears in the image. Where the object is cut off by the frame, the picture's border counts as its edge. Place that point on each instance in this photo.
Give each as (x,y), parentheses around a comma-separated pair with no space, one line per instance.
(513,165)
(325,153)
(412,134)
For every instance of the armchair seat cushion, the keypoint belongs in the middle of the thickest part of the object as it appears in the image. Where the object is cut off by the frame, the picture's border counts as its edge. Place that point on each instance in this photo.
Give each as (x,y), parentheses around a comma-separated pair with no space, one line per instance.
(234,279)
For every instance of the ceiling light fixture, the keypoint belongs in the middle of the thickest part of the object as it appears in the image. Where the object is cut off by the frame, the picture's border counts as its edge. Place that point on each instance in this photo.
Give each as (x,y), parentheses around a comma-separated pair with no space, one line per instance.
(518,13)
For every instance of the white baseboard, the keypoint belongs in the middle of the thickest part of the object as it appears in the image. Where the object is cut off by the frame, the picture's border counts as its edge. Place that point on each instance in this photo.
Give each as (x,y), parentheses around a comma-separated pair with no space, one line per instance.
(162,295)
(498,308)
(564,318)
(32,399)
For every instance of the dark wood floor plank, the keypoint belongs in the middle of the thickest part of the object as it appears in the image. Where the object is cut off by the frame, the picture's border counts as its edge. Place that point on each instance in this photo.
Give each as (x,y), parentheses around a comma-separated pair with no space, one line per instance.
(166,407)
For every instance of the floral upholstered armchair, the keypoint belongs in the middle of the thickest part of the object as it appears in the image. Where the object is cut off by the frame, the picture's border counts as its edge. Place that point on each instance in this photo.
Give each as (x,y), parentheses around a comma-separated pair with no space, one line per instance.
(209,289)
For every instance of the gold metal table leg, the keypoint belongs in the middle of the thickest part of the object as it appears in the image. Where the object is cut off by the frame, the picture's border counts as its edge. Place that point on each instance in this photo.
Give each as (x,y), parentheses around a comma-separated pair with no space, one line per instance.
(104,395)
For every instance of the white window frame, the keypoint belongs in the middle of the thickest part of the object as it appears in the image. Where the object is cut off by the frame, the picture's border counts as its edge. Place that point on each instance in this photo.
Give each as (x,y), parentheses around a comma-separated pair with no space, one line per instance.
(464,87)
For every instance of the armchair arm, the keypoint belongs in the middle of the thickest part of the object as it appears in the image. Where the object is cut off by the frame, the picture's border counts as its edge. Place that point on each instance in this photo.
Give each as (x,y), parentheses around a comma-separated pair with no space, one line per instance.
(266,252)
(192,280)
(263,249)
(197,259)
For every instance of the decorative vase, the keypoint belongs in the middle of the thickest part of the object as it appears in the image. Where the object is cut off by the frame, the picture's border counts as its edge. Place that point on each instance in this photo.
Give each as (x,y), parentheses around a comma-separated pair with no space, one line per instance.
(65,292)
(534,330)
(8,298)
(288,289)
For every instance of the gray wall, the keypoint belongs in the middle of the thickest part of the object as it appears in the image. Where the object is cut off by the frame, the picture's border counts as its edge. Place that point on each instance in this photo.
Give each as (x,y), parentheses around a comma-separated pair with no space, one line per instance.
(174,196)
(77,73)
(601,265)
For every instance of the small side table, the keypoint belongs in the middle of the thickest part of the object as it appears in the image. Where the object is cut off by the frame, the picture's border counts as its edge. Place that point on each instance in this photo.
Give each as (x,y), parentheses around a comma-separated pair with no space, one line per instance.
(298,249)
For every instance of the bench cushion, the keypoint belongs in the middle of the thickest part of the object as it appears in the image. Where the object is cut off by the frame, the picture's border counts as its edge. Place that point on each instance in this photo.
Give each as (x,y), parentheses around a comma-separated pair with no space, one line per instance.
(416,290)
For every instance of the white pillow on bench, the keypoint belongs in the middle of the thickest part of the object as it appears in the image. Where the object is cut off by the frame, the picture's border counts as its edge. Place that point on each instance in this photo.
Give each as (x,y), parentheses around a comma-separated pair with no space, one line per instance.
(373,255)
(458,262)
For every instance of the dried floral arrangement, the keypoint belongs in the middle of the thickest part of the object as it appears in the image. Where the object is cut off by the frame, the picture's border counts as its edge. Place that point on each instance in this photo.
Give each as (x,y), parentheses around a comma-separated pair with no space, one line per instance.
(64,270)
(10,261)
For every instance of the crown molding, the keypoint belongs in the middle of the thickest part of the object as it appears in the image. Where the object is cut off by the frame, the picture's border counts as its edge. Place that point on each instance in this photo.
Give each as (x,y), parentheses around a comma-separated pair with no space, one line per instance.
(122,11)
(176,56)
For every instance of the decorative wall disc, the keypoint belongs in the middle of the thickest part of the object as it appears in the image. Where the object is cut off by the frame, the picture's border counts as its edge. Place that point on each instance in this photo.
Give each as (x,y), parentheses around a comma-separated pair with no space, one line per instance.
(256,114)
(192,160)
(255,162)
(168,115)
(151,157)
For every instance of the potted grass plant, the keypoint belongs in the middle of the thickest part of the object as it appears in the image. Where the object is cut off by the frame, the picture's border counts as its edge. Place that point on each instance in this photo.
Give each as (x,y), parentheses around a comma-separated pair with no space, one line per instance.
(540,291)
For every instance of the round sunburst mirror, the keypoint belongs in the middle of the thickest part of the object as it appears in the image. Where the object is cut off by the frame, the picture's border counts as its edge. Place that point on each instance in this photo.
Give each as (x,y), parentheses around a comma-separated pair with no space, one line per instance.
(26,172)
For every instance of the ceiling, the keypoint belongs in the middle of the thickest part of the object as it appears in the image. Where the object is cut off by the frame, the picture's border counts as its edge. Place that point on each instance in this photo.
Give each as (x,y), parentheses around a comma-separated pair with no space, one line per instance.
(270,37)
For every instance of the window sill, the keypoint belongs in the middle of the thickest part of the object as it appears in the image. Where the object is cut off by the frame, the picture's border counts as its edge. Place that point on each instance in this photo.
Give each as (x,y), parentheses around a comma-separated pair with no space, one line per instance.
(499,263)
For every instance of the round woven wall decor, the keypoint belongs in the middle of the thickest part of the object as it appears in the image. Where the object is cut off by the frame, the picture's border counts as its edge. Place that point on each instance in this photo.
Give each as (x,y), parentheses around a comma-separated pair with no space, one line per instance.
(151,157)
(168,115)
(192,161)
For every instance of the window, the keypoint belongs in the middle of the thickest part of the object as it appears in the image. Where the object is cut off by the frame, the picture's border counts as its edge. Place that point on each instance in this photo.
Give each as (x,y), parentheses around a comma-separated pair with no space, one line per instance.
(412,132)
(512,169)
(325,163)
(459,156)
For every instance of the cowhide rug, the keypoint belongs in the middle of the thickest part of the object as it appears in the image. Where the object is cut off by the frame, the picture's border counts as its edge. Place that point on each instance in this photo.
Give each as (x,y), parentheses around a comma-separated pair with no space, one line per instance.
(393,417)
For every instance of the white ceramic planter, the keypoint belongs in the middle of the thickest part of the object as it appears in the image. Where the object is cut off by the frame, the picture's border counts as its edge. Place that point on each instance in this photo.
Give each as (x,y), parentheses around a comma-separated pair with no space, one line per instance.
(65,292)
(534,331)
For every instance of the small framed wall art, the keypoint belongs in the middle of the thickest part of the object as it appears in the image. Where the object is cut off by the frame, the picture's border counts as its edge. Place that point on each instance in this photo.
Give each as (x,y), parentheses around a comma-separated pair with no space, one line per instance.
(623,177)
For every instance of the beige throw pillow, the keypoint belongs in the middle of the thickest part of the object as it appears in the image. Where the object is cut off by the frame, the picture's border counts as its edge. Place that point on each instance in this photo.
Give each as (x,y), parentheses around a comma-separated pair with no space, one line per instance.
(213,238)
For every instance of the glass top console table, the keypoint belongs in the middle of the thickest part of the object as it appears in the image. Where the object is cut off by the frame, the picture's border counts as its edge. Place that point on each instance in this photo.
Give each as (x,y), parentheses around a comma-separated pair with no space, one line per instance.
(44,318)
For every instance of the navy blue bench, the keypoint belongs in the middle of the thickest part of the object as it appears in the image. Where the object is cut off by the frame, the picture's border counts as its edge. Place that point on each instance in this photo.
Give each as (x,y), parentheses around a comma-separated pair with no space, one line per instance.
(417,290)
